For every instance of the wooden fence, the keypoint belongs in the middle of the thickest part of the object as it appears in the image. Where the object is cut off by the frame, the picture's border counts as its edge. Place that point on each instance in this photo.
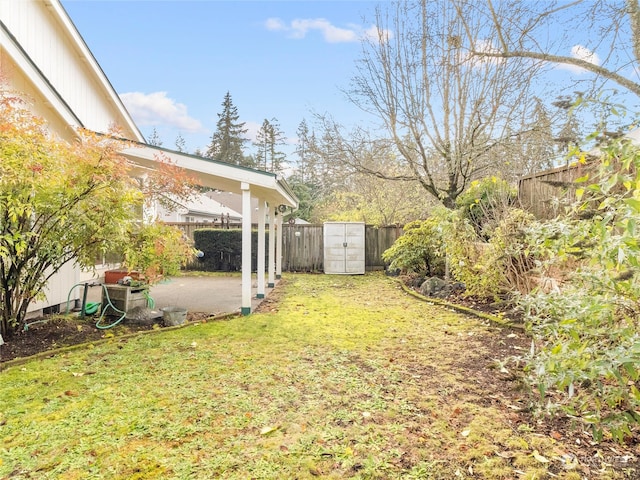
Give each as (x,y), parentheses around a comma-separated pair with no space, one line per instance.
(544,193)
(189,227)
(303,245)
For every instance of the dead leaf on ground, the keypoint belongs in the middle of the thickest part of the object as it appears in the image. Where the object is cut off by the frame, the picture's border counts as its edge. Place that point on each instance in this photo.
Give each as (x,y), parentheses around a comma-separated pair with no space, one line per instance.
(269,429)
(539,457)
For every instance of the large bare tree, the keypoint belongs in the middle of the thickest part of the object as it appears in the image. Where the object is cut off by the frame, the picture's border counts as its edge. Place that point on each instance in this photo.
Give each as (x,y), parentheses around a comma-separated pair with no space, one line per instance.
(598,36)
(446,112)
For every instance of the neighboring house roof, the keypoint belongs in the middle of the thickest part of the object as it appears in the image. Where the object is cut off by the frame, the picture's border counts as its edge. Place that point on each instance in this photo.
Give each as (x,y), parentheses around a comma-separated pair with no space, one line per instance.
(234,202)
(203,205)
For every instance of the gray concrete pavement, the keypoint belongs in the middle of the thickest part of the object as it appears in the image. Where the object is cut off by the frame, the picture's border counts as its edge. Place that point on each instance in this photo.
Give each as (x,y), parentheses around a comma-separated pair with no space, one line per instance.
(212,295)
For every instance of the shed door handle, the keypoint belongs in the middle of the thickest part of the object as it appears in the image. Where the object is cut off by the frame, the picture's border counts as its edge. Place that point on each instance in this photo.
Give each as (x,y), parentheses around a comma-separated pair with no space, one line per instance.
(344,244)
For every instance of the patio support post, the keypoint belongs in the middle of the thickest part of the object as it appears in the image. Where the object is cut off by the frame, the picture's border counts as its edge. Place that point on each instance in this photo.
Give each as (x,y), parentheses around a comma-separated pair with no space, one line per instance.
(279,247)
(261,248)
(272,247)
(246,249)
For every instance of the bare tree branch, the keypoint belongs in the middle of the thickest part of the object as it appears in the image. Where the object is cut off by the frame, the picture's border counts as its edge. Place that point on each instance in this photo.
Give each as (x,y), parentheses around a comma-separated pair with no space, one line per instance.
(521,31)
(443,109)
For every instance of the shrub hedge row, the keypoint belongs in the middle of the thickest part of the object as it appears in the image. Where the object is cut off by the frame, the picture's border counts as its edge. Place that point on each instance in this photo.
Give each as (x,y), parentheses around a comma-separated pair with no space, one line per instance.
(223,250)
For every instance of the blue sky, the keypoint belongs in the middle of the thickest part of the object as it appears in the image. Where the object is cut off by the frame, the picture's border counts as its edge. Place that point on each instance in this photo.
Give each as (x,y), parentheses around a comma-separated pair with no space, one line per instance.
(173,61)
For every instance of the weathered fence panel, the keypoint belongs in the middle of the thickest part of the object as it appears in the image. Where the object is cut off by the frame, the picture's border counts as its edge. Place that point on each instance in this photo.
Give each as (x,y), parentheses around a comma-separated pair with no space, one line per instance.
(303,245)
(302,248)
(544,193)
(377,240)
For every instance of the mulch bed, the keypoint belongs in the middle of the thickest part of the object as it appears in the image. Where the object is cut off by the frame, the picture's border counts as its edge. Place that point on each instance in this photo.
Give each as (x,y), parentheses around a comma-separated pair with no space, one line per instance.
(53,332)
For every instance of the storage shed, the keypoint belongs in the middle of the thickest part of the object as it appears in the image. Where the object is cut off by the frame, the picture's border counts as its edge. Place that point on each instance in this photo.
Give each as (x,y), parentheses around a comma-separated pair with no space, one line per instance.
(344,248)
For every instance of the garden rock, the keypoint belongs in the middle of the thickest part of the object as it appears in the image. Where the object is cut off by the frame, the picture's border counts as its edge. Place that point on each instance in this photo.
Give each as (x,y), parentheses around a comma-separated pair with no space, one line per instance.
(141,316)
(436,287)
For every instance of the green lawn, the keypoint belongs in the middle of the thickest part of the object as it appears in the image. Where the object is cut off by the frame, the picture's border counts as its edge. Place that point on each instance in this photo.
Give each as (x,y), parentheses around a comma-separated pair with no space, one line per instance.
(347,377)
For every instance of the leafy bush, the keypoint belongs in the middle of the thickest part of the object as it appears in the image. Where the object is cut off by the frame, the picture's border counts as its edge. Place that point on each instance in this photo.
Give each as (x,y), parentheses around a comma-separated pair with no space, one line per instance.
(223,250)
(510,253)
(587,346)
(468,258)
(485,203)
(157,250)
(420,249)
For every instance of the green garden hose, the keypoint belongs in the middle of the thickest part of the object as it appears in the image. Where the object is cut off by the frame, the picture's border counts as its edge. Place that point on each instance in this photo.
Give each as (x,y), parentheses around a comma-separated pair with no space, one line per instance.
(104,310)
(92,307)
(99,324)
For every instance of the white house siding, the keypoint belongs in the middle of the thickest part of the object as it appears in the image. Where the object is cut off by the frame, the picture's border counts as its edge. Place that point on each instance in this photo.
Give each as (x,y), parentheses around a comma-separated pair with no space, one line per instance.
(15,80)
(59,288)
(38,26)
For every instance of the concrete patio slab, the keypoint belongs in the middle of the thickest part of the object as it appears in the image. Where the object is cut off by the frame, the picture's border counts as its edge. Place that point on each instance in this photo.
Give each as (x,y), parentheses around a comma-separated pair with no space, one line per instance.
(213,295)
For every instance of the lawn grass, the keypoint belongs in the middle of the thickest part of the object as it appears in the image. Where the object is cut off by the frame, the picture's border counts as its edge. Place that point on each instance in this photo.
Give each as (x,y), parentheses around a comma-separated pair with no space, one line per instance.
(347,377)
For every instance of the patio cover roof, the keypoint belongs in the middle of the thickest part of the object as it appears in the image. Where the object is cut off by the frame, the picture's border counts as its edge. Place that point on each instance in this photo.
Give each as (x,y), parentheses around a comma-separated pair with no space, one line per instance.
(43,56)
(218,175)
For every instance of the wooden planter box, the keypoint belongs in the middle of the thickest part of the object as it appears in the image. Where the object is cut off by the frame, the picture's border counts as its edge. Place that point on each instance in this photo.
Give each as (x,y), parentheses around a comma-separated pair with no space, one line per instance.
(125,298)
(112,276)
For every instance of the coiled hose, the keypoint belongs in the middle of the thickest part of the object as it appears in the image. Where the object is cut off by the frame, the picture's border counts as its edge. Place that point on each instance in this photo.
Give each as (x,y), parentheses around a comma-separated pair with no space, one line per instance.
(103,311)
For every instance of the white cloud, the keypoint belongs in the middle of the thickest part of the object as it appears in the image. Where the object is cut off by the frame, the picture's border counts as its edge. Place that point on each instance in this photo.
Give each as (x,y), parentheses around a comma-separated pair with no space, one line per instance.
(300,27)
(275,24)
(252,130)
(158,109)
(373,34)
(581,52)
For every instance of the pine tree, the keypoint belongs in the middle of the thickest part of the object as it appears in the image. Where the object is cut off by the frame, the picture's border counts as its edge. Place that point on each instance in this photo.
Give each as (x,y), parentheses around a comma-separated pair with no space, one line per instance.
(302,150)
(262,145)
(268,139)
(181,145)
(228,139)
(154,139)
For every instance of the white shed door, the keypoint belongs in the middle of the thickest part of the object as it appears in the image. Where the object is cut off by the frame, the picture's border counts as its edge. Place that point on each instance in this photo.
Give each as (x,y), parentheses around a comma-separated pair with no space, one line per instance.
(344,248)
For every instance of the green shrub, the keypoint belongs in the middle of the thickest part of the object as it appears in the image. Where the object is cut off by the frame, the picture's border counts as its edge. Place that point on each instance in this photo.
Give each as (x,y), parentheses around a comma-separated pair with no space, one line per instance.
(587,345)
(420,249)
(485,203)
(468,258)
(223,250)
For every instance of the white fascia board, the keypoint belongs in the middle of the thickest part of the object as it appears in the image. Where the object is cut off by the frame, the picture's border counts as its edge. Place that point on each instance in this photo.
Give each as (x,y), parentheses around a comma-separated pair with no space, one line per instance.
(86,54)
(35,76)
(219,175)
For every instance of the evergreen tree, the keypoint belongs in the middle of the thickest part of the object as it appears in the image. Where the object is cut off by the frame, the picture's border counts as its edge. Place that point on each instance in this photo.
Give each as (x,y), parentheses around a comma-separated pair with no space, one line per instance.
(268,139)
(154,139)
(181,145)
(262,144)
(228,139)
(302,150)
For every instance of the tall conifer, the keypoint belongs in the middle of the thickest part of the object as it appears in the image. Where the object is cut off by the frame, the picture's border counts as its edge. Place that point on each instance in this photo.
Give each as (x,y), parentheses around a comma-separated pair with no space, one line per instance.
(228,139)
